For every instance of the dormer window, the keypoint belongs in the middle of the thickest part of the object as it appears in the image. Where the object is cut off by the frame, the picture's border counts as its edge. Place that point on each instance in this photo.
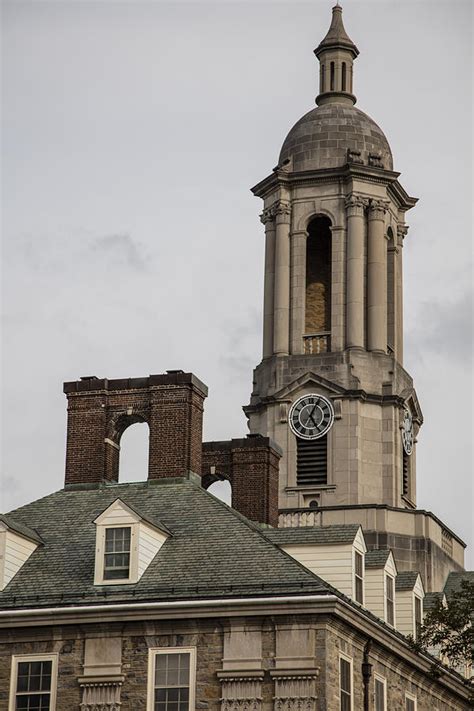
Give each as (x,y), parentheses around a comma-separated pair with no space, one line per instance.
(126,544)
(359,577)
(17,544)
(390,599)
(117,553)
(418,616)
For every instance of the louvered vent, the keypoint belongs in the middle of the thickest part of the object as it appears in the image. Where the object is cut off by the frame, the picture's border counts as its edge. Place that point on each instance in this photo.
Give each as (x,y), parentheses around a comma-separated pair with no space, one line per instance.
(311,463)
(406,481)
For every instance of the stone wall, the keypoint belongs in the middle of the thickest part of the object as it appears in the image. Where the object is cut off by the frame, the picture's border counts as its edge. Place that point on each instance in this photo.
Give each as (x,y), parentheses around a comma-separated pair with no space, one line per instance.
(283,660)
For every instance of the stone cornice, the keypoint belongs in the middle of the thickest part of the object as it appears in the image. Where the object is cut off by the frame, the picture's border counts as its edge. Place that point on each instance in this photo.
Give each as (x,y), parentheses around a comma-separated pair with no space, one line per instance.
(350,171)
(362,621)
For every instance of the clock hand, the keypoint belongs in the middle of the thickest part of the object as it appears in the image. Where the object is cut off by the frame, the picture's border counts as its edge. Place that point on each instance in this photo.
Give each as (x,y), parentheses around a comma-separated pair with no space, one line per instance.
(310,417)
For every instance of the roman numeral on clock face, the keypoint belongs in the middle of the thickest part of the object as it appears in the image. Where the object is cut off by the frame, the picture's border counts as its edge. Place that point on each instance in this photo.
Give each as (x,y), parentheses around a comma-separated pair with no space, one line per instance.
(311,416)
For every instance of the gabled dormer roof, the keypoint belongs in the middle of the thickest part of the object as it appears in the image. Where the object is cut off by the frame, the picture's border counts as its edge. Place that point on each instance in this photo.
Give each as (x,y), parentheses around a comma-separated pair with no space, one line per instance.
(213,550)
(454,581)
(17,543)
(377,558)
(431,599)
(316,535)
(120,505)
(13,525)
(407,580)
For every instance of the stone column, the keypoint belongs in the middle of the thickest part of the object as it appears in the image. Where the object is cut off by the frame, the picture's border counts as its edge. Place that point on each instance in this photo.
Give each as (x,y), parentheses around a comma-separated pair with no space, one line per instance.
(281,326)
(401,233)
(377,278)
(268,219)
(298,289)
(337,288)
(355,205)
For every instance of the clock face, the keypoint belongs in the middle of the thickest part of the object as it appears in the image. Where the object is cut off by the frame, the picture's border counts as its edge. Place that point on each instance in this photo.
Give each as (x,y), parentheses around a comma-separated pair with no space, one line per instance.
(407,431)
(311,416)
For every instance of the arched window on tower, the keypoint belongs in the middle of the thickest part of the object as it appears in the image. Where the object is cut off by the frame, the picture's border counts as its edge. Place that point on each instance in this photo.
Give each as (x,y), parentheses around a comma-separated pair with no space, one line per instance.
(317,336)
(323,79)
(343,76)
(333,73)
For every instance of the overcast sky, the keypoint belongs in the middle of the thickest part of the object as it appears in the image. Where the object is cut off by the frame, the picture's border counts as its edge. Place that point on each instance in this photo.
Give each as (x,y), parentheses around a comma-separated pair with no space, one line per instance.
(131,135)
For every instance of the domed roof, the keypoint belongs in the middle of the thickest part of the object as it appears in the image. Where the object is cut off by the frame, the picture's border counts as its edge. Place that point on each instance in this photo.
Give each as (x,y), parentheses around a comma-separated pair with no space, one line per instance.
(322,138)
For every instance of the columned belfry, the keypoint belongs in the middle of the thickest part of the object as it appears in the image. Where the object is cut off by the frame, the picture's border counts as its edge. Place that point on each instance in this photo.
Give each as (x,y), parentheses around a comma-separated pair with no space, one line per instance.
(331,389)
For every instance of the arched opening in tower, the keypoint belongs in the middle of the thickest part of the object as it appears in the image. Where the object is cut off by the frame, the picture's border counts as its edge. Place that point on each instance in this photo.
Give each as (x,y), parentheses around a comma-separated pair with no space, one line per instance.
(318,278)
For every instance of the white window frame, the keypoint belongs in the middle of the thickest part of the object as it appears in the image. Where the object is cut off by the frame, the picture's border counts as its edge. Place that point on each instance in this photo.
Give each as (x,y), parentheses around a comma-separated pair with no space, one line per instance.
(415,598)
(383,681)
(153,652)
(17,659)
(350,660)
(385,576)
(355,551)
(100,555)
(411,697)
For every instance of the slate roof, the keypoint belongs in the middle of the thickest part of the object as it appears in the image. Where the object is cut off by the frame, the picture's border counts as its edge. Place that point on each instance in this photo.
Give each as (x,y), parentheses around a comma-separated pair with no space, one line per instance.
(430,599)
(318,535)
(406,580)
(377,558)
(454,580)
(213,550)
(20,528)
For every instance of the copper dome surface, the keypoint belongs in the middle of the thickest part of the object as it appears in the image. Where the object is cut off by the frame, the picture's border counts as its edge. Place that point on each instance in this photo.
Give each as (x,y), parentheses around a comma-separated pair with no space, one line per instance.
(323,136)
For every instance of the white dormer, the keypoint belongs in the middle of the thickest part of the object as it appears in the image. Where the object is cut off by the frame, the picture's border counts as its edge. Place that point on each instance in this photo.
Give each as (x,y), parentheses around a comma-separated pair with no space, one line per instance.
(380,576)
(409,594)
(17,543)
(336,553)
(126,543)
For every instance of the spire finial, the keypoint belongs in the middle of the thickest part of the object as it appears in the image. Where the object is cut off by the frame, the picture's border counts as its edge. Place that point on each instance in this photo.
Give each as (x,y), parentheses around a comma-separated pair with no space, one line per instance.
(336,53)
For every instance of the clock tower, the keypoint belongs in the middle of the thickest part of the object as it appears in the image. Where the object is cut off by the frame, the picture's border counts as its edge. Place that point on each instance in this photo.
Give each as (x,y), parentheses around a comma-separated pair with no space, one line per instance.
(331,389)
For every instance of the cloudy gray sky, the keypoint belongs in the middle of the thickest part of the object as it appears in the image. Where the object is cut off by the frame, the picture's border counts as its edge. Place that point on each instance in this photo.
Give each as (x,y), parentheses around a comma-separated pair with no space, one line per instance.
(131,243)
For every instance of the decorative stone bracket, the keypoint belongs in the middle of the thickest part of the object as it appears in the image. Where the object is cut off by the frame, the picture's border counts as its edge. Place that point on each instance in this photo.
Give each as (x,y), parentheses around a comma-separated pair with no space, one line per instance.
(242,691)
(101,694)
(295,691)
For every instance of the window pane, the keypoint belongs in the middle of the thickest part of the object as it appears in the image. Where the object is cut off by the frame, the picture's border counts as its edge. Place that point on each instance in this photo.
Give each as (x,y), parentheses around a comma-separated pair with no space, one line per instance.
(345,701)
(172,682)
(379,696)
(117,553)
(358,564)
(34,676)
(359,590)
(410,705)
(33,702)
(345,668)
(390,615)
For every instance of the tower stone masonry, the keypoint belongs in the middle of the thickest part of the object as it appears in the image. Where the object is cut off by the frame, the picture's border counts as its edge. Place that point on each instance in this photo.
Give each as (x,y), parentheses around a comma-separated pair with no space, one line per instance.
(334,213)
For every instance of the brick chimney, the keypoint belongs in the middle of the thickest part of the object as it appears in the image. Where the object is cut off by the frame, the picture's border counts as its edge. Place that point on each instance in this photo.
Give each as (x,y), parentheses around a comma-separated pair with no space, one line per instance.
(251,466)
(100,410)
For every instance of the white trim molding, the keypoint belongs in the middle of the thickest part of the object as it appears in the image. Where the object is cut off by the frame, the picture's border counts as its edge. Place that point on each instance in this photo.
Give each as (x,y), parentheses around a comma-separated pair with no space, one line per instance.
(17,659)
(349,660)
(382,680)
(154,652)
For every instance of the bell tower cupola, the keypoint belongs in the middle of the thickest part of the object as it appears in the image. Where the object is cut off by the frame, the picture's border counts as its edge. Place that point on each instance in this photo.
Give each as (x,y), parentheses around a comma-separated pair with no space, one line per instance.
(331,389)
(336,54)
